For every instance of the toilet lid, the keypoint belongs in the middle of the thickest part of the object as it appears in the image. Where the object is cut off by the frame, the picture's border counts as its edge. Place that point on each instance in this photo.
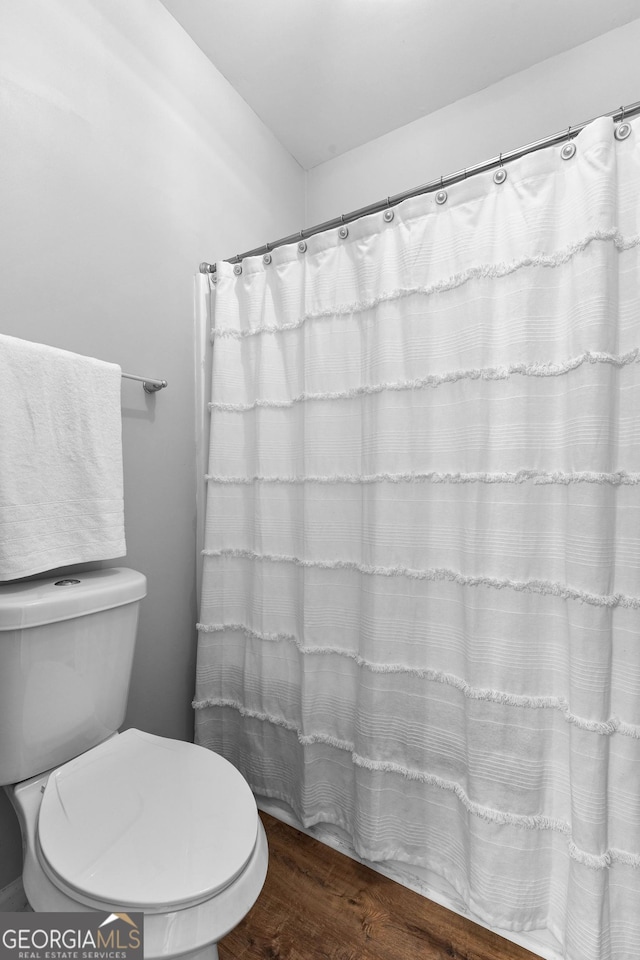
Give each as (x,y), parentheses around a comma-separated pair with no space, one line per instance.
(145,822)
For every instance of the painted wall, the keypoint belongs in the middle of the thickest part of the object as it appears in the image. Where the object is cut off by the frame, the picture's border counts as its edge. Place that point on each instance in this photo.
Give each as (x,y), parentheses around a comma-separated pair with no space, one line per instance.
(126,160)
(583,83)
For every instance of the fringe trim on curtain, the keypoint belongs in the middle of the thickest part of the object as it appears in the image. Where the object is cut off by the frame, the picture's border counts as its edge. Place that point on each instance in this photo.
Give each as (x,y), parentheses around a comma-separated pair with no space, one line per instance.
(482,271)
(543,587)
(435,380)
(604,728)
(537,822)
(619,478)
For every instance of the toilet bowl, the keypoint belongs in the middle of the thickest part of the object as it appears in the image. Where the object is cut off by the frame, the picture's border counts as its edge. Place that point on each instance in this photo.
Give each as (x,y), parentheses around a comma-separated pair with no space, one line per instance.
(143,823)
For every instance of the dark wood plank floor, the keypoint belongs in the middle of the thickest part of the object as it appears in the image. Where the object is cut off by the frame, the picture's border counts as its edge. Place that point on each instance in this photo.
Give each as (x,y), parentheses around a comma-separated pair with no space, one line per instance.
(317,903)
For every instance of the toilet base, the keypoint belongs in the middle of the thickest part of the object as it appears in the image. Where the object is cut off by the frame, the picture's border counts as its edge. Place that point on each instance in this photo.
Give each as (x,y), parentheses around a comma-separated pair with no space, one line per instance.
(205,953)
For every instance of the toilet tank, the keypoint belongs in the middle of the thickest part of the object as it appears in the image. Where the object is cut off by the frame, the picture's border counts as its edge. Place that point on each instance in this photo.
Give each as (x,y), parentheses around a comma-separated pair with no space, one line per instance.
(66,650)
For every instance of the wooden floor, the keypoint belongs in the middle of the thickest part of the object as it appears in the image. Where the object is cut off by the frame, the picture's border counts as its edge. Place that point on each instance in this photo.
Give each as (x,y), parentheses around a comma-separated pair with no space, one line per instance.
(317,903)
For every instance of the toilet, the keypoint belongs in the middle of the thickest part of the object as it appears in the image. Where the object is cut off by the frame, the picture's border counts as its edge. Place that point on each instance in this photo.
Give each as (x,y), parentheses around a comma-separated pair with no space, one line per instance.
(115,822)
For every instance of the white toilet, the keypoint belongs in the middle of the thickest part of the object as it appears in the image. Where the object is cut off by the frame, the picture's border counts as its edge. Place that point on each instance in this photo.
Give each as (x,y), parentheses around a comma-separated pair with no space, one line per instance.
(116,822)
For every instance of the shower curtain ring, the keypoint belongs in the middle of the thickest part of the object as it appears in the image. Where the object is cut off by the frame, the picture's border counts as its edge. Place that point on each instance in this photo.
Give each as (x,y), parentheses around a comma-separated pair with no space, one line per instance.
(501,174)
(622,129)
(569,148)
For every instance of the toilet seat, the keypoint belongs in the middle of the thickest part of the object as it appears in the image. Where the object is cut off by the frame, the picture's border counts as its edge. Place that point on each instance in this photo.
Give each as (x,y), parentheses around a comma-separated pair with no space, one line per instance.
(146,823)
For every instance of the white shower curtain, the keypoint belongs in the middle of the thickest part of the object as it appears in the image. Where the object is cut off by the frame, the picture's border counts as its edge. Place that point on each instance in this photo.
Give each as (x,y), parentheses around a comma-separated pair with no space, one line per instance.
(421,593)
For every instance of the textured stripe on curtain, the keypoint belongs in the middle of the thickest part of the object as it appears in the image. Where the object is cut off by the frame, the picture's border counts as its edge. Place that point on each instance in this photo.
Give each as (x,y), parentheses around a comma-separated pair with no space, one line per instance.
(421,595)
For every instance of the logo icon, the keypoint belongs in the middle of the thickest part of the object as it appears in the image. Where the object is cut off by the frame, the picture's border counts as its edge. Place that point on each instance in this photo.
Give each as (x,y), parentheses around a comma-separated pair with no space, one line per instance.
(119,916)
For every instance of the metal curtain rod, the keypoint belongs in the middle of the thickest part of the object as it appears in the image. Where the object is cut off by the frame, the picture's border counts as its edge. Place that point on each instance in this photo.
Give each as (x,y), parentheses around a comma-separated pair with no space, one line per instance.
(617,115)
(149,384)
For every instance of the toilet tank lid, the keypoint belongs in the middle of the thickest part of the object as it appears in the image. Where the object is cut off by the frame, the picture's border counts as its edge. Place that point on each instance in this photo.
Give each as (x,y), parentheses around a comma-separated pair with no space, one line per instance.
(33,603)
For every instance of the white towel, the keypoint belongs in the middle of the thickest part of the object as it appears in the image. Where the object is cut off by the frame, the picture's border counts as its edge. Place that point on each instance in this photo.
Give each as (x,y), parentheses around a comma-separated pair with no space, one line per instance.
(61,489)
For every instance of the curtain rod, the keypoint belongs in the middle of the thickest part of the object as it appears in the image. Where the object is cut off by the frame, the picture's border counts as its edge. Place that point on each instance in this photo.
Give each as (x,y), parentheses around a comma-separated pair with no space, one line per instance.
(618,115)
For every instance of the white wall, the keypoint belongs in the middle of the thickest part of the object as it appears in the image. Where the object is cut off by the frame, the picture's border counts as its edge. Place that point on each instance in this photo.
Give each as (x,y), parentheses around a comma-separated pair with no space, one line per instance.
(583,83)
(126,160)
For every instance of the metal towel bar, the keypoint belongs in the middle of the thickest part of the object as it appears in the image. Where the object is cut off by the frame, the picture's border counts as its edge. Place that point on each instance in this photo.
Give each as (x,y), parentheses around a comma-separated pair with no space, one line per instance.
(149,384)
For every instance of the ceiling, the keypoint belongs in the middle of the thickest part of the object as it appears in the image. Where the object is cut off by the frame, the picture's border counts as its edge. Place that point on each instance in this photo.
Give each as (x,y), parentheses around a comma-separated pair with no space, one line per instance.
(328,75)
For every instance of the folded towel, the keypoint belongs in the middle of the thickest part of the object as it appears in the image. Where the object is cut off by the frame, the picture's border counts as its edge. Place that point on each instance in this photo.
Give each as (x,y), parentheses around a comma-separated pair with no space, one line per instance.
(61,490)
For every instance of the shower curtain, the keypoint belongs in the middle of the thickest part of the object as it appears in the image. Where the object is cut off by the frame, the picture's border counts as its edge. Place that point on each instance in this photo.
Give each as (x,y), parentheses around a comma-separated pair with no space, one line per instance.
(420,613)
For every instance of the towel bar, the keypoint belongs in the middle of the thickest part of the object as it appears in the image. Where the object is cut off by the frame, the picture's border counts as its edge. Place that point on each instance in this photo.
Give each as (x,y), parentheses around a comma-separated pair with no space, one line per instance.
(149,384)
